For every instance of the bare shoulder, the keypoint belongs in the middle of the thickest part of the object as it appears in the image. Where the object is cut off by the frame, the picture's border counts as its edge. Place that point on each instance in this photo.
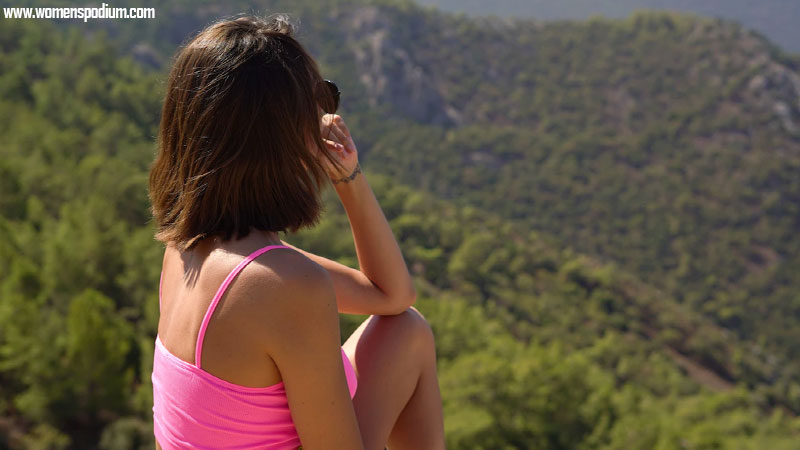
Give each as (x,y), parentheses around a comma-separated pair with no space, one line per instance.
(303,339)
(280,288)
(280,269)
(290,271)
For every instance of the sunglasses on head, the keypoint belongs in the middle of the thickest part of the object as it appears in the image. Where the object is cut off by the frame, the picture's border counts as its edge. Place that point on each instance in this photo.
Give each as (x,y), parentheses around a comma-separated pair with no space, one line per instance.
(333,91)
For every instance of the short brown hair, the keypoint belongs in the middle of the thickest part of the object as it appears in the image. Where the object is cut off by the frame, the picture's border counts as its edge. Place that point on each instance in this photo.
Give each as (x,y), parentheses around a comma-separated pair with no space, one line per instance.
(238,129)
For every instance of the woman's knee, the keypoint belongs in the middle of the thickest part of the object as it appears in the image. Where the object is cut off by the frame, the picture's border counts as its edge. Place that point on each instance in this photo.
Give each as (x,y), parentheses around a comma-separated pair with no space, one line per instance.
(411,322)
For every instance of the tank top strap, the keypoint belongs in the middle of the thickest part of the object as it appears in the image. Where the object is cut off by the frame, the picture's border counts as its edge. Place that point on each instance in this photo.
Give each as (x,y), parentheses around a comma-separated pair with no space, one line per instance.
(220,293)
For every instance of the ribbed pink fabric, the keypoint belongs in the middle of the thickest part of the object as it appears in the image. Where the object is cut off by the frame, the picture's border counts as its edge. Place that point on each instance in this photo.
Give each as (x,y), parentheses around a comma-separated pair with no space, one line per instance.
(195,409)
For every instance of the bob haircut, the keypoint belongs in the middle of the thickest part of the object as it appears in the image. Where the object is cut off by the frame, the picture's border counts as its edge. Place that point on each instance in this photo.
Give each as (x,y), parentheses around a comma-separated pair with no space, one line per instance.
(239,135)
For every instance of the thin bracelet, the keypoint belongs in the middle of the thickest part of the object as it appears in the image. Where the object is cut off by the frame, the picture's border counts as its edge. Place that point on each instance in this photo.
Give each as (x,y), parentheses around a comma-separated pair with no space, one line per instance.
(356,171)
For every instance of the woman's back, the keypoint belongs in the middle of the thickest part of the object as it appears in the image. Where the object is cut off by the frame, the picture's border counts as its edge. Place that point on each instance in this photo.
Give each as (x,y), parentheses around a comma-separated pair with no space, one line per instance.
(241,157)
(232,395)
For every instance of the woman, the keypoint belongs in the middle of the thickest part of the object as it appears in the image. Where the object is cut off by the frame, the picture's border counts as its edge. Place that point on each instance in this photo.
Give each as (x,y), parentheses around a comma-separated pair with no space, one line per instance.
(247,353)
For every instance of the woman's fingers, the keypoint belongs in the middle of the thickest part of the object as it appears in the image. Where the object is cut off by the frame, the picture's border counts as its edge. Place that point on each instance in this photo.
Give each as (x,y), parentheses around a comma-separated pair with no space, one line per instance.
(335,133)
(334,128)
(333,145)
(325,127)
(347,138)
(340,137)
(342,126)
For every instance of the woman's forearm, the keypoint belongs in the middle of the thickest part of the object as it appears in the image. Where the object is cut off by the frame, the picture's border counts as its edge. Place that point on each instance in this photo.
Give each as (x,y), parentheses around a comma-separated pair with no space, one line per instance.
(379,255)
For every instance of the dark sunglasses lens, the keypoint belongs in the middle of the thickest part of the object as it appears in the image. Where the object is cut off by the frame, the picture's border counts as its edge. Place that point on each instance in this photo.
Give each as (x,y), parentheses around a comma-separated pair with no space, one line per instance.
(334,92)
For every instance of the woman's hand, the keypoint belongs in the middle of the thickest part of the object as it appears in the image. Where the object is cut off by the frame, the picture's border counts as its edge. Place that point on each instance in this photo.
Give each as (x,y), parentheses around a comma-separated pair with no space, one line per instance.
(337,138)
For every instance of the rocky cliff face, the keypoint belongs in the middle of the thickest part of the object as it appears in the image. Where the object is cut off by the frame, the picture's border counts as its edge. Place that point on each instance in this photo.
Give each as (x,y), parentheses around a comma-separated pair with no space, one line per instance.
(441,69)
(777,88)
(389,71)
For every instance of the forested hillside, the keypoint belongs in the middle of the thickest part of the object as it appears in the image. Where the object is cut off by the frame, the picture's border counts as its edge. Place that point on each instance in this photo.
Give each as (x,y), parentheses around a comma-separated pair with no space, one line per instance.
(777,19)
(579,208)
(667,144)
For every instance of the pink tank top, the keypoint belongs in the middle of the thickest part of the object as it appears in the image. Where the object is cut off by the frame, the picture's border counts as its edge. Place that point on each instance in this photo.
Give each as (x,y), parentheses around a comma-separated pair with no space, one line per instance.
(194,409)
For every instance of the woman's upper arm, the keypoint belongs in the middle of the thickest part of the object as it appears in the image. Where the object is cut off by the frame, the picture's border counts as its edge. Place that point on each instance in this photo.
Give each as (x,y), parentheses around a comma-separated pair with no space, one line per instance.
(306,348)
(355,293)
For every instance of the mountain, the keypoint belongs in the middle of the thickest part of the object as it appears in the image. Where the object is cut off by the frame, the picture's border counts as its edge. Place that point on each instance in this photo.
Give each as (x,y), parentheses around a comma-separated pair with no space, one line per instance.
(665,143)
(598,217)
(668,144)
(776,19)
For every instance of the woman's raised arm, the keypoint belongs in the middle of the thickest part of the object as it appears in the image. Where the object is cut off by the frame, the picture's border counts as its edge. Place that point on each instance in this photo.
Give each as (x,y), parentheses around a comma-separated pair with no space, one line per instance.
(383,284)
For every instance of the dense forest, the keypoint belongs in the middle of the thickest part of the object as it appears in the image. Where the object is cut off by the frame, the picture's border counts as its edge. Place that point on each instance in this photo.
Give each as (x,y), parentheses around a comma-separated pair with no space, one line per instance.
(600,218)
(775,18)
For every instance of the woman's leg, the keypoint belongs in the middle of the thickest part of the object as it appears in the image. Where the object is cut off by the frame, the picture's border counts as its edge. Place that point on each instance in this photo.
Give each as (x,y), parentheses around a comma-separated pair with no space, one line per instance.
(397,401)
